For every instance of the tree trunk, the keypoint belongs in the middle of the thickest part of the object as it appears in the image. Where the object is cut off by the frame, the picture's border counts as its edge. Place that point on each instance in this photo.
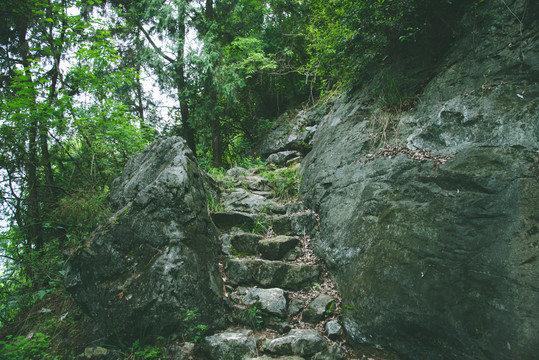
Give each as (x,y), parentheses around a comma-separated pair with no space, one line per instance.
(139,106)
(187,128)
(215,124)
(33,227)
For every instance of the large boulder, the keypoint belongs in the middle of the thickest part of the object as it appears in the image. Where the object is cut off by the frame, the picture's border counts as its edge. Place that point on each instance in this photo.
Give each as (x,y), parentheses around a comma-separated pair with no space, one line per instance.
(157,257)
(433,241)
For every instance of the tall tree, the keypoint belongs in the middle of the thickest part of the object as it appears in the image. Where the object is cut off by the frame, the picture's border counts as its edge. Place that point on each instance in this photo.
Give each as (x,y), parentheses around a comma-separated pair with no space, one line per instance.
(45,125)
(164,25)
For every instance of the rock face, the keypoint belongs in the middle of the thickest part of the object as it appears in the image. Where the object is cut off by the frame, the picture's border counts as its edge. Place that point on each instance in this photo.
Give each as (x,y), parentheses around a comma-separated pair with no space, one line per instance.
(291,134)
(158,256)
(433,241)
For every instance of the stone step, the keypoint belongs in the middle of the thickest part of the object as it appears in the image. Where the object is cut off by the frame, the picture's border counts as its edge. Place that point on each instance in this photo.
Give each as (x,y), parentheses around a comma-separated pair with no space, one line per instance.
(266,194)
(268,274)
(299,342)
(296,207)
(299,224)
(272,301)
(280,247)
(292,224)
(239,199)
(226,220)
(230,344)
(239,242)
(281,158)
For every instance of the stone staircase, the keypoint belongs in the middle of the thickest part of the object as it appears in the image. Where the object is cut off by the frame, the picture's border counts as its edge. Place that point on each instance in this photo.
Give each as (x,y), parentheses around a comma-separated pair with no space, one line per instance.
(283,303)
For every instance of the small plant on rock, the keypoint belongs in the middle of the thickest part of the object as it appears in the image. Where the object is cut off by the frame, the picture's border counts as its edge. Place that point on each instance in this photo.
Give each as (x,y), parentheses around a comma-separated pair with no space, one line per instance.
(195,330)
(148,352)
(286,182)
(213,203)
(262,225)
(252,317)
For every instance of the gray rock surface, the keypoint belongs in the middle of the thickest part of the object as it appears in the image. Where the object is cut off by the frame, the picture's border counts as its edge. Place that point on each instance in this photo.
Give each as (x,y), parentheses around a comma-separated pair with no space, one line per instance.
(333,352)
(271,300)
(236,171)
(437,257)
(301,342)
(256,183)
(230,345)
(226,220)
(266,273)
(295,306)
(95,353)
(333,329)
(245,201)
(275,248)
(318,309)
(157,256)
(240,242)
(298,224)
(292,133)
(282,157)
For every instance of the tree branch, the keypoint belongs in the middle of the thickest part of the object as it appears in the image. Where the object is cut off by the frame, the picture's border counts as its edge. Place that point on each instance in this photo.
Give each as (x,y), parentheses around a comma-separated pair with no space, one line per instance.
(155,47)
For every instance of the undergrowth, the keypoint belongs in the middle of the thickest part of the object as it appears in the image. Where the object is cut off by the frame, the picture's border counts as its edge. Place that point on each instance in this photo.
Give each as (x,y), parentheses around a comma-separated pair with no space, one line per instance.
(286,182)
(252,317)
(52,328)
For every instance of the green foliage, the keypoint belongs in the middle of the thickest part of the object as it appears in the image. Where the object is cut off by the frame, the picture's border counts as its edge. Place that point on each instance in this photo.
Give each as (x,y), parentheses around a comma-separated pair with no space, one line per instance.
(31,346)
(346,36)
(65,135)
(49,331)
(246,73)
(213,203)
(351,308)
(394,90)
(194,328)
(81,213)
(286,182)
(251,57)
(157,349)
(262,225)
(252,317)
(30,274)
(139,351)
(29,277)
(329,309)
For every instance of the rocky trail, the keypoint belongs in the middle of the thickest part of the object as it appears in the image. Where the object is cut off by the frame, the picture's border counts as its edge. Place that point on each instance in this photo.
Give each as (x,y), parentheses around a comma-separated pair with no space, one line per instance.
(282,299)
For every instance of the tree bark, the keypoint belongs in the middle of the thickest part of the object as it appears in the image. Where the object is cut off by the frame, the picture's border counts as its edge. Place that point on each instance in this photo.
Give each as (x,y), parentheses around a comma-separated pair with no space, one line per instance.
(33,228)
(215,124)
(189,133)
